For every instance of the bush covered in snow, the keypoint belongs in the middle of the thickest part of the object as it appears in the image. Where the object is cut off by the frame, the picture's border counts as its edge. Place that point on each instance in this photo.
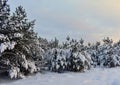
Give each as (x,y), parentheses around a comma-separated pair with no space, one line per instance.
(106,54)
(79,61)
(71,56)
(58,61)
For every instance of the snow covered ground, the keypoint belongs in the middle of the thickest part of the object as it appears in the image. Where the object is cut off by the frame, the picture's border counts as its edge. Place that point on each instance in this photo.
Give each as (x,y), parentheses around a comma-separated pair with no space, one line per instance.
(95,76)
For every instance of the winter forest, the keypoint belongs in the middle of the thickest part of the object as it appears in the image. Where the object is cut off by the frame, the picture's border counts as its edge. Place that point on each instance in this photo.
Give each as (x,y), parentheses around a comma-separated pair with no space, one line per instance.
(23,52)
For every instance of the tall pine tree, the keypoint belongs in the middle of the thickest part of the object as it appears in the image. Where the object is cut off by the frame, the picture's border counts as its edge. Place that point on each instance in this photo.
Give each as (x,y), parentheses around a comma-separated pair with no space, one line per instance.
(21,52)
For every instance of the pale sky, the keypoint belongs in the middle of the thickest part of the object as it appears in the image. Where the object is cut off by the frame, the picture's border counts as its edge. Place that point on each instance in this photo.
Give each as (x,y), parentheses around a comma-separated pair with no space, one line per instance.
(91,20)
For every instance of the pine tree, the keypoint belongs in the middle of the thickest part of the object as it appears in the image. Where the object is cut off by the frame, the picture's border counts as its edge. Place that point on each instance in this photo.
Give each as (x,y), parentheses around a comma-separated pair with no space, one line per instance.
(21,52)
(58,61)
(6,33)
(106,51)
(53,43)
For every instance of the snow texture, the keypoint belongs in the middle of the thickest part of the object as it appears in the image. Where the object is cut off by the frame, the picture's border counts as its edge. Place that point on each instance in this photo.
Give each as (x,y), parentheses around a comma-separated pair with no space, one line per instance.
(6,45)
(97,76)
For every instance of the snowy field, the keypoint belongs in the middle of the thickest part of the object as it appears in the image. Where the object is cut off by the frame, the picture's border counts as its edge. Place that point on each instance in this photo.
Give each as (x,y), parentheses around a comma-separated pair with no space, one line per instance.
(93,77)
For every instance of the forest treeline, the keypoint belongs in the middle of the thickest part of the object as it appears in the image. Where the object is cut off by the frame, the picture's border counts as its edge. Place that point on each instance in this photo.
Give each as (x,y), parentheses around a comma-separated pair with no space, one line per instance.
(23,52)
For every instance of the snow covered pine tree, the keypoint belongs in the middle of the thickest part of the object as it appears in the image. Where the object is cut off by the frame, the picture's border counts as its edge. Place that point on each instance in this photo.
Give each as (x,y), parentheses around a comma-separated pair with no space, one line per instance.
(58,60)
(80,59)
(4,31)
(20,51)
(70,56)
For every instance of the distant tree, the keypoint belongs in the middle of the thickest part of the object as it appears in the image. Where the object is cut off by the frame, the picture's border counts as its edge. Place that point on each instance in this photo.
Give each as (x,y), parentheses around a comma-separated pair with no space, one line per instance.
(54,43)
(68,38)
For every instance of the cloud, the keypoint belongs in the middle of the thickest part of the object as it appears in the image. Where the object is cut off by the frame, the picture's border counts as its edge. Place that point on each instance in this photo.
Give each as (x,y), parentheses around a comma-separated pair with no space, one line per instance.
(100,10)
(90,19)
